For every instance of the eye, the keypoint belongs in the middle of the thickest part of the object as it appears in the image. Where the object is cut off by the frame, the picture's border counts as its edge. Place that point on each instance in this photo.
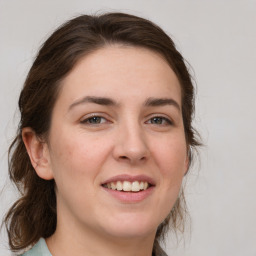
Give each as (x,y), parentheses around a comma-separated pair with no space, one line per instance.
(159,120)
(94,120)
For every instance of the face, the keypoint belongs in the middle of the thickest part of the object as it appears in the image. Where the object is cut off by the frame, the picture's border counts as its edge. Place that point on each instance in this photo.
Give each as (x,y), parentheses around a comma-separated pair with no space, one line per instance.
(117,148)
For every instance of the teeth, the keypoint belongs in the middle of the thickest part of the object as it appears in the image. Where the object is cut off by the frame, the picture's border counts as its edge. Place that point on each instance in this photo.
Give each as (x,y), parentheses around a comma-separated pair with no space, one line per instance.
(113,185)
(145,185)
(135,186)
(127,186)
(119,186)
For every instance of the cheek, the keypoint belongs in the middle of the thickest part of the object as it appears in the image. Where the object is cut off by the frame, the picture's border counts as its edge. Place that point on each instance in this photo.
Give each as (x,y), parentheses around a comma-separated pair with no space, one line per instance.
(172,161)
(172,155)
(75,162)
(77,155)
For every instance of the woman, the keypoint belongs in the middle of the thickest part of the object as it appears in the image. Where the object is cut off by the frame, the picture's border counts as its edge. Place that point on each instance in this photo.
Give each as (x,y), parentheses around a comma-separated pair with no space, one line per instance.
(105,139)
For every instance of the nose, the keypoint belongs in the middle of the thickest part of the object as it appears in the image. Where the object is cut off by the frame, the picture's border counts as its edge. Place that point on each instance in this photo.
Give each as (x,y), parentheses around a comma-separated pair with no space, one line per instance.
(131,144)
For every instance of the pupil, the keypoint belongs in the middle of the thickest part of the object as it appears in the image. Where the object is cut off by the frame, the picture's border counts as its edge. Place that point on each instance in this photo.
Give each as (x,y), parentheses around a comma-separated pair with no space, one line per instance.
(95,119)
(157,120)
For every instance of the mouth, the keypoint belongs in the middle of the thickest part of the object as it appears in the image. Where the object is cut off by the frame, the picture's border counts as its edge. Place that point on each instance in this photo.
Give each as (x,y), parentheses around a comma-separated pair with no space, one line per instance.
(128,186)
(128,183)
(130,189)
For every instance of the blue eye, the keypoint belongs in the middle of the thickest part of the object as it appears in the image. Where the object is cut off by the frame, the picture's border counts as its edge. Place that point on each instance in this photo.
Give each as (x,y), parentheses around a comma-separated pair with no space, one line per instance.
(94,120)
(158,120)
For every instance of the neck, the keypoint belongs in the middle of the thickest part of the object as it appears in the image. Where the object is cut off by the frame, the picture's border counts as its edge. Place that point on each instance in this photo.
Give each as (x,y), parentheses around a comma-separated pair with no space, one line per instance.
(64,242)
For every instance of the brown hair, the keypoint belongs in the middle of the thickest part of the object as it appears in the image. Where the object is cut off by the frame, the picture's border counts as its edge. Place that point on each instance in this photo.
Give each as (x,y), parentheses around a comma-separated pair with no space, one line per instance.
(34,214)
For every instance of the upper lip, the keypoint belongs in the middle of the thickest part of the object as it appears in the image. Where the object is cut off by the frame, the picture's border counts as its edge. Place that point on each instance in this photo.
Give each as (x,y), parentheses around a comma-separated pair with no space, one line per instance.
(131,178)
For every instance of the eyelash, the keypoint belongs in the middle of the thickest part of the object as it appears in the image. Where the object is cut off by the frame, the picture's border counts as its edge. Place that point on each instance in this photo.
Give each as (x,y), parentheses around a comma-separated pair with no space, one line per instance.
(89,120)
(164,119)
(93,117)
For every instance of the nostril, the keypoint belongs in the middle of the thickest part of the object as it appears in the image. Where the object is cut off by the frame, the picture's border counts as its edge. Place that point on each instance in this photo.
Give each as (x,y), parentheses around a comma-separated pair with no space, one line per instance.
(123,157)
(131,159)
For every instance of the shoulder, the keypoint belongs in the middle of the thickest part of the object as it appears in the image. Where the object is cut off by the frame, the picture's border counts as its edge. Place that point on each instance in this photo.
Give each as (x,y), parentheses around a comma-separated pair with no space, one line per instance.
(39,249)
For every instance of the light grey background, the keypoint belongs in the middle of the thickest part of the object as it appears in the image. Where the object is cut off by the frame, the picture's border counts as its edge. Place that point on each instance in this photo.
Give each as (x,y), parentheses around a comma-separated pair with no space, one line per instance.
(218,38)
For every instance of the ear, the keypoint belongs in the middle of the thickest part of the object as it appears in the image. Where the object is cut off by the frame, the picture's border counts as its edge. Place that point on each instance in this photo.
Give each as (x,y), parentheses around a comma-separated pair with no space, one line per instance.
(38,153)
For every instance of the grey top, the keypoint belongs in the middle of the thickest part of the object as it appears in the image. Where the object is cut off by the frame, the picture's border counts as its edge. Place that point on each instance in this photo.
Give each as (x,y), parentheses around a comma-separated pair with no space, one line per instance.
(39,249)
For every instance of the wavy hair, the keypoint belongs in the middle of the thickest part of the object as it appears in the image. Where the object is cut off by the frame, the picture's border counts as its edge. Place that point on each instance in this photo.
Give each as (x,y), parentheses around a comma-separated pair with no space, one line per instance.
(33,215)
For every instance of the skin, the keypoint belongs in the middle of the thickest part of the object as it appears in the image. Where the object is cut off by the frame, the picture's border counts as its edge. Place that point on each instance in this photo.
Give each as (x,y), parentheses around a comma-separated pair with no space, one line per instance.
(81,155)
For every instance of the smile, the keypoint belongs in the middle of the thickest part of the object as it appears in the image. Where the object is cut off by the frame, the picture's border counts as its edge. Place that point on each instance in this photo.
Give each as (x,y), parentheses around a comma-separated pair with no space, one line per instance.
(127,186)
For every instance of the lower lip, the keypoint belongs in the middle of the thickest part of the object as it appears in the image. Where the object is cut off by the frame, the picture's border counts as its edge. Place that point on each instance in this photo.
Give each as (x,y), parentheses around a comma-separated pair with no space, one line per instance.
(130,197)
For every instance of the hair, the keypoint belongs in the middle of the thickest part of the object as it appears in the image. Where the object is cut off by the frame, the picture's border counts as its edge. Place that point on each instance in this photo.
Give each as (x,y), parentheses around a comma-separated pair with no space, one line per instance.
(33,215)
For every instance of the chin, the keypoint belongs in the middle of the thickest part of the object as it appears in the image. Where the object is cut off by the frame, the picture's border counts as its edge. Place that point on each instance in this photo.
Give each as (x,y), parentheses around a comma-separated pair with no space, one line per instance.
(131,226)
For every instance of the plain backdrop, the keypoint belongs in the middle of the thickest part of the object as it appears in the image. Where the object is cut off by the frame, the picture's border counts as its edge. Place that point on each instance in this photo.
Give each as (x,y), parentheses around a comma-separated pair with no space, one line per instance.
(218,38)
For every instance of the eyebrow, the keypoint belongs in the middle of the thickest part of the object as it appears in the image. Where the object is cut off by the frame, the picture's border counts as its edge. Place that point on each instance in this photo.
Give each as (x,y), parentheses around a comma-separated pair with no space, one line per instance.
(155,102)
(150,102)
(92,99)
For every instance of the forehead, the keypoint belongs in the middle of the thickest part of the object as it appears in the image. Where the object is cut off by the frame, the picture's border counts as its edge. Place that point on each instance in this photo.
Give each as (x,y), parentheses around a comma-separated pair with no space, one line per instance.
(121,71)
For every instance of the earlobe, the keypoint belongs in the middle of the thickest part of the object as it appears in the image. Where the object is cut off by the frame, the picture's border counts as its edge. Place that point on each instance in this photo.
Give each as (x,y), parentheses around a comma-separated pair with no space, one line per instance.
(38,153)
